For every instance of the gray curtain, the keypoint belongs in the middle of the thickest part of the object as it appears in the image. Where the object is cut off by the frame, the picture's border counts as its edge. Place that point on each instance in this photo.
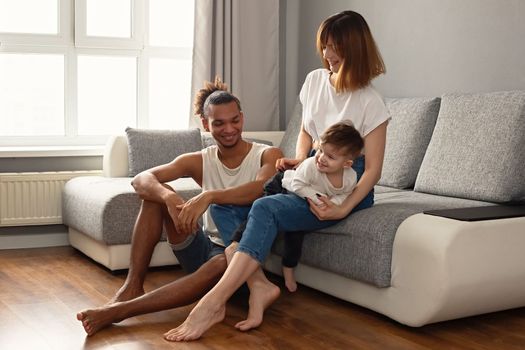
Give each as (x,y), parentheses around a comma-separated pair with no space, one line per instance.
(239,41)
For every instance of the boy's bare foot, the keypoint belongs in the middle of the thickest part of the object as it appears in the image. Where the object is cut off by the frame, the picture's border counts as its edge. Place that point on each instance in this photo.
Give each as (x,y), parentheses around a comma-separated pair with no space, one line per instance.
(126,292)
(262,295)
(201,318)
(289,279)
(94,320)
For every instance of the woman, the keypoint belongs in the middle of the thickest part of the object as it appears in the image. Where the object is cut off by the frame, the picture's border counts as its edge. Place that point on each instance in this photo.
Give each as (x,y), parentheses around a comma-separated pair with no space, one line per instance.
(338,92)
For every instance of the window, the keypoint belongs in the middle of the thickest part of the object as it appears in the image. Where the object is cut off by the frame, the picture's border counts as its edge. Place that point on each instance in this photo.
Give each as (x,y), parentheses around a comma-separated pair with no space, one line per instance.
(73,72)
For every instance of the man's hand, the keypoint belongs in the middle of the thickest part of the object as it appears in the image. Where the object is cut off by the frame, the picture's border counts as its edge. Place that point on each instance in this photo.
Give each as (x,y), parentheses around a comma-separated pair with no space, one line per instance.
(283,164)
(327,210)
(173,201)
(190,213)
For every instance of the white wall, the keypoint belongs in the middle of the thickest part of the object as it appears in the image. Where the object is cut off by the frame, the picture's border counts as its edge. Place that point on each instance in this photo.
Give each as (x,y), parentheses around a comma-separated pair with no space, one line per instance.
(430,47)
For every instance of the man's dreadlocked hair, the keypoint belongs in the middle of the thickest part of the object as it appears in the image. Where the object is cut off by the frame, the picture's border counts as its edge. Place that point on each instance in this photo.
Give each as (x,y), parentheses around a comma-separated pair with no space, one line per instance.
(202,94)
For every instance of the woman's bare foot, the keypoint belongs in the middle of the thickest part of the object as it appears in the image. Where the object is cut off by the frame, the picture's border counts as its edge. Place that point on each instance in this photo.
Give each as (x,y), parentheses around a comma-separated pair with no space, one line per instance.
(289,279)
(94,320)
(262,295)
(204,315)
(126,292)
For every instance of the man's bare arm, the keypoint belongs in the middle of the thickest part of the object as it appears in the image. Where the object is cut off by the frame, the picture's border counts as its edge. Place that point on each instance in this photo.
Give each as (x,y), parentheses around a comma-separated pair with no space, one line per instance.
(244,194)
(149,184)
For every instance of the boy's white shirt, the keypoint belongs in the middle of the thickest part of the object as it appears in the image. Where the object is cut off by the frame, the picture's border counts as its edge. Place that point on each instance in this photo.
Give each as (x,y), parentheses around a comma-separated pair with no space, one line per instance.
(307,180)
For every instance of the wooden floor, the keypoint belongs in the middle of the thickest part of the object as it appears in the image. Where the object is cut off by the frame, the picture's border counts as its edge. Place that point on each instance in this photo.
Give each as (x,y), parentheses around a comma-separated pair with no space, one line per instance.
(42,289)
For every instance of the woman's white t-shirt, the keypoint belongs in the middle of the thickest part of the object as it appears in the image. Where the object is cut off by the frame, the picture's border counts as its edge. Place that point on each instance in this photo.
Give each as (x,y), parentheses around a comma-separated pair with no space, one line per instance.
(323,106)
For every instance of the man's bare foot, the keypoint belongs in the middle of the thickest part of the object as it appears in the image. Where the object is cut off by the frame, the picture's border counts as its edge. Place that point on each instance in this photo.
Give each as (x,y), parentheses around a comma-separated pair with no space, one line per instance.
(204,315)
(126,292)
(262,295)
(94,320)
(289,279)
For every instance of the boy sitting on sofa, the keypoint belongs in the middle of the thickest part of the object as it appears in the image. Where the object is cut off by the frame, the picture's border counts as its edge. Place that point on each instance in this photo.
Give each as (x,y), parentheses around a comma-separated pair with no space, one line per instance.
(329,173)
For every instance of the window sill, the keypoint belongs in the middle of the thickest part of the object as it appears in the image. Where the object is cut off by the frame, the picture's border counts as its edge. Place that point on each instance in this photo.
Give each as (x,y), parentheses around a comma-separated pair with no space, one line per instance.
(50,151)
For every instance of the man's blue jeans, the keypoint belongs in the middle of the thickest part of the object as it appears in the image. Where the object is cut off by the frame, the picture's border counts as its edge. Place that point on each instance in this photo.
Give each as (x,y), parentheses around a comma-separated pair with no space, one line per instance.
(227,218)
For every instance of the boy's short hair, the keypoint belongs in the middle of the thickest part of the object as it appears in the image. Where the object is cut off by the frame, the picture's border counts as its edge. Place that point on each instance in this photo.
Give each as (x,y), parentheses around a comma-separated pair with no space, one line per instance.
(343,135)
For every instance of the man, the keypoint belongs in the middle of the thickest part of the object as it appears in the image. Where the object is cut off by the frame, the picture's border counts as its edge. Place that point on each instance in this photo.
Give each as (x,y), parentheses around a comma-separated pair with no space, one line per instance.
(231,173)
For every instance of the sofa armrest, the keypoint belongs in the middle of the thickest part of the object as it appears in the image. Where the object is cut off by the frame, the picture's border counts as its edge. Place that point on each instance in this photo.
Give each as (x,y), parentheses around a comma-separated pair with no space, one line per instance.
(115,159)
(447,268)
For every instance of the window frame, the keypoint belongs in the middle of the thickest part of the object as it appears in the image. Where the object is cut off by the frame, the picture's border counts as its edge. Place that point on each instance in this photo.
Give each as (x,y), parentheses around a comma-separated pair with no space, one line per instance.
(72,46)
(136,41)
(63,37)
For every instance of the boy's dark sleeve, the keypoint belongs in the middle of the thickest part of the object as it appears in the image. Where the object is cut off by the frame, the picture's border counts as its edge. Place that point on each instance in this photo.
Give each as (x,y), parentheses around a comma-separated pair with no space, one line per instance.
(274,185)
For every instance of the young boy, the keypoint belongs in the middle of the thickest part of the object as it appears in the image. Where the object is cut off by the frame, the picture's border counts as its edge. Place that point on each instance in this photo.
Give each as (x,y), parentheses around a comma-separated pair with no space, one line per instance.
(328,173)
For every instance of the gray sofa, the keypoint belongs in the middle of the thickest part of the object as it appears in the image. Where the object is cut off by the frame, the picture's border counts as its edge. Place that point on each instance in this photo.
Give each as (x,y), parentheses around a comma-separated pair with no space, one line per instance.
(457,151)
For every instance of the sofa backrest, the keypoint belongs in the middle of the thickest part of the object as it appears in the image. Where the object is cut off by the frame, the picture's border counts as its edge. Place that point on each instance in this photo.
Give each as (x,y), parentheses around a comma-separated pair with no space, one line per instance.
(477,150)
(468,146)
(149,148)
(289,139)
(141,149)
(408,134)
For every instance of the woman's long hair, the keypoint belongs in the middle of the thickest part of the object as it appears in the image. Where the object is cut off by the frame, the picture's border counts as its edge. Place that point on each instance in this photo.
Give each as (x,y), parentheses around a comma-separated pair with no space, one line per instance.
(354,43)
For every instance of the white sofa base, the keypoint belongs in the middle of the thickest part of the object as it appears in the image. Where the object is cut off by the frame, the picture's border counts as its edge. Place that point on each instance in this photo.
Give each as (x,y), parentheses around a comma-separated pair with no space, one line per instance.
(442,269)
(116,257)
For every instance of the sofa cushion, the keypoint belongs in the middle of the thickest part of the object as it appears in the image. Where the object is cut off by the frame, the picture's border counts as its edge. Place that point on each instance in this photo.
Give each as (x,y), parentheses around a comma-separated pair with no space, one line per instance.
(289,140)
(149,148)
(106,208)
(477,149)
(360,247)
(378,189)
(408,134)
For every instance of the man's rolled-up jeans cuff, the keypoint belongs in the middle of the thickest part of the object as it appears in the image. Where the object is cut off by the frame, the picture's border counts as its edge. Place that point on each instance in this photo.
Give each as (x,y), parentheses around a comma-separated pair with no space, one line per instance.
(182,245)
(250,252)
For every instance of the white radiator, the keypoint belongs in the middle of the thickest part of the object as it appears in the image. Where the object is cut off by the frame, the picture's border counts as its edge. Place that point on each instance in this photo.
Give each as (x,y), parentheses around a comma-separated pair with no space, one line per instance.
(34,198)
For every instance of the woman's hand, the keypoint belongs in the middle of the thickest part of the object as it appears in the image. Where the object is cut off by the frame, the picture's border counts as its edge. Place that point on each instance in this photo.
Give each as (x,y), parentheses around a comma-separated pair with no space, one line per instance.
(283,164)
(327,210)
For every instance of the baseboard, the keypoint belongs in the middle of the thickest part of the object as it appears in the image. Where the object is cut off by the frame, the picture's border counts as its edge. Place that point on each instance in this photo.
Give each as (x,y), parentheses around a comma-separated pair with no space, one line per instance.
(33,240)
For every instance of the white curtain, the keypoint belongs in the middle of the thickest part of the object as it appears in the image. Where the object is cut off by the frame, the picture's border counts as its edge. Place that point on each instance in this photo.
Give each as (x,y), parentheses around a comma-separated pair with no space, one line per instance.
(239,41)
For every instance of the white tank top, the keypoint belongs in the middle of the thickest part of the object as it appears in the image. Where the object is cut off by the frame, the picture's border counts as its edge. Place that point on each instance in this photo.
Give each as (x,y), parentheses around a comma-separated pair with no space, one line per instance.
(215,175)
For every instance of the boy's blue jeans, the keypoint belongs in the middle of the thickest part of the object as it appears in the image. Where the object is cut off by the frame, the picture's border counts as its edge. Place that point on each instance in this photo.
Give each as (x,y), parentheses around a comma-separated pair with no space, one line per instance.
(273,214)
